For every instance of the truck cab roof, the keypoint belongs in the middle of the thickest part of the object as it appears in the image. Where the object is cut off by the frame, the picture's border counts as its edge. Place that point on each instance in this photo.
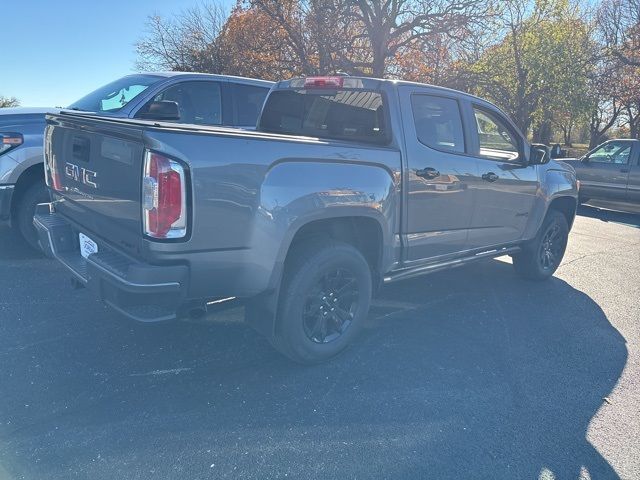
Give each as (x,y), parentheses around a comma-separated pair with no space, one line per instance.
(210,76)
(369,83)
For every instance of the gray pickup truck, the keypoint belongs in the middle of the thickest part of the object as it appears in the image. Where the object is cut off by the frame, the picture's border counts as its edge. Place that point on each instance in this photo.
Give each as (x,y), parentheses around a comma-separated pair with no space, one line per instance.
(609,175)
(346,184)
(179,97)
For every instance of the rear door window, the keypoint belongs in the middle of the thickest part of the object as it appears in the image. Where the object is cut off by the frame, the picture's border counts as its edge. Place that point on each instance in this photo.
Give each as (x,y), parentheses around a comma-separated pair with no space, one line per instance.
(199,103)
(438,122)
(355,115)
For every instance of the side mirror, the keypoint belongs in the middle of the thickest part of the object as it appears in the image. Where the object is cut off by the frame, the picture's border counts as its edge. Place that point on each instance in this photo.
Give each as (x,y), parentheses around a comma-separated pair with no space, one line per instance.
(539,154)
(585,159)
(163,110)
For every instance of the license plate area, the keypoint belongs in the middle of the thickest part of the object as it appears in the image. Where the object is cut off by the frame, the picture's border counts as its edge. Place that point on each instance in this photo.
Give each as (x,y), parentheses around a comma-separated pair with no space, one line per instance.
(87,246)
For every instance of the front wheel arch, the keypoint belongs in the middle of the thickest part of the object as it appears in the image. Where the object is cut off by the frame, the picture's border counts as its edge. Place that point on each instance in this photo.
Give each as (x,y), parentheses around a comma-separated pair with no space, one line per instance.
(565,205)
(529,262)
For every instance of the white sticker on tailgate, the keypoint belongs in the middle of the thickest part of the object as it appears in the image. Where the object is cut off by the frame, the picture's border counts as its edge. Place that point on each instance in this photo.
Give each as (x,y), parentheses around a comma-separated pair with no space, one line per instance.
(87,246)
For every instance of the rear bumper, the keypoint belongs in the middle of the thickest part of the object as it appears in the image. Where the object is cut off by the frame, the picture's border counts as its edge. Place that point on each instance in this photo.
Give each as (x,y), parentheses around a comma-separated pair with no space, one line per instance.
(6,194)
(143,292)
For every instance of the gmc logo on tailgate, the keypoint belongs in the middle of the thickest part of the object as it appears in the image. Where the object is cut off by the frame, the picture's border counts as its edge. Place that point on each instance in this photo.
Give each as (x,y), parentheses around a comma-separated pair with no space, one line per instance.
(81,174)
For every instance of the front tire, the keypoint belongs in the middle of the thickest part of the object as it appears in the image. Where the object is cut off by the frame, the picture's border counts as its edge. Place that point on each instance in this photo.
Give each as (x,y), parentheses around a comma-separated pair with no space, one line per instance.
(324,301)
(25,210)
(541,257)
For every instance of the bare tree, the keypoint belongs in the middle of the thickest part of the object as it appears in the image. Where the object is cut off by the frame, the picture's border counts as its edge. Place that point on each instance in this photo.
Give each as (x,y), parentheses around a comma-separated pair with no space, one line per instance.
(254,45)
(619,22)
(604,116)
(391,25)
(632,112)
(188,42)
(8,102)
(365,36)
(316,32)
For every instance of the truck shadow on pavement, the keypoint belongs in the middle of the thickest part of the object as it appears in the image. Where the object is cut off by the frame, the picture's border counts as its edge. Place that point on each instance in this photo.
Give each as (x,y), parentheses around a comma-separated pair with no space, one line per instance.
(470,373)
(623,218)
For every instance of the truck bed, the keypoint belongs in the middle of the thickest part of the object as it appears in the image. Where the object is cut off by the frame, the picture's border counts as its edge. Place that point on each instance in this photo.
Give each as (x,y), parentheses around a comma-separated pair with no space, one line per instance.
(246,189)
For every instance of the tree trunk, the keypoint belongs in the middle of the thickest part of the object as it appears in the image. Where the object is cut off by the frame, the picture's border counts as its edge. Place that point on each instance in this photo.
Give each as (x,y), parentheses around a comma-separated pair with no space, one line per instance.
(596,137)
(567,131)
(634,123)
(379,60)
(542,133)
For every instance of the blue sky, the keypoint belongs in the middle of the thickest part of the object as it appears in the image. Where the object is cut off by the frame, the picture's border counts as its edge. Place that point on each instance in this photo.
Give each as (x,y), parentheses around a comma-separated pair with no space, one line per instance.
(56,51)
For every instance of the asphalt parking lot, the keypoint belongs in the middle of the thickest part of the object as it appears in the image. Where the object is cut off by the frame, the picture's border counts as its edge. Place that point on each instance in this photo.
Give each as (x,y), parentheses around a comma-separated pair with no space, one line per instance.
(470,373)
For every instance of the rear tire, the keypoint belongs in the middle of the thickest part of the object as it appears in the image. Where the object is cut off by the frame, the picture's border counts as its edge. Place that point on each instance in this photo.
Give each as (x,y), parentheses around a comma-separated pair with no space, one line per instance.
(324,301)
(26,208)
(541,257)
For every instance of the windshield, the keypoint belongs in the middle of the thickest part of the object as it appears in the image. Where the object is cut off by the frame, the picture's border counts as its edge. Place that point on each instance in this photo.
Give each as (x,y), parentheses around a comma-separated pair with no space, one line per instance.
(357,115)
(115,95)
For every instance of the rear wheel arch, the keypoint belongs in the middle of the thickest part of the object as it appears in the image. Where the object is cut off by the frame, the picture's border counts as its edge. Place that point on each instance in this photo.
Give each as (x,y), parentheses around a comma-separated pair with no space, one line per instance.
(365,233)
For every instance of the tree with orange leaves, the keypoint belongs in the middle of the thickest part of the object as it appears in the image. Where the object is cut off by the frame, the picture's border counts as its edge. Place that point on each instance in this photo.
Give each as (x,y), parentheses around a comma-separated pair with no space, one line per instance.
(253,45)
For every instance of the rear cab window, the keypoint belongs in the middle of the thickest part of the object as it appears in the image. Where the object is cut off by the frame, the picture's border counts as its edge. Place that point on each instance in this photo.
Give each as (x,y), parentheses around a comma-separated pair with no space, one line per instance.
(341,111)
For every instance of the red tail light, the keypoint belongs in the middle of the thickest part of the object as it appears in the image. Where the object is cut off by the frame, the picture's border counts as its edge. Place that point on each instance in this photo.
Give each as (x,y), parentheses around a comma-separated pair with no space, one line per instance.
(163,197)
(54,181)
(51,176)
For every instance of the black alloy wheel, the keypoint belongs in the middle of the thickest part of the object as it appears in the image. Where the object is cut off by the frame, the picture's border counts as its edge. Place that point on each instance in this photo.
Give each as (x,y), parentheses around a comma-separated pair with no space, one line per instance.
(331,306)
(324,300)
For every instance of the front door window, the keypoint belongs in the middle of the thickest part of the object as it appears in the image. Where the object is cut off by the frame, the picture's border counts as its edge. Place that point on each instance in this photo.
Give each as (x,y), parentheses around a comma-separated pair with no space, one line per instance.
(496,139)
(612,152)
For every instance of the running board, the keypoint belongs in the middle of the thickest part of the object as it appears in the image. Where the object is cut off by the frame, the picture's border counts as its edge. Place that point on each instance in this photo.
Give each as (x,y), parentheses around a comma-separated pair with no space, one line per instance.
(436,267)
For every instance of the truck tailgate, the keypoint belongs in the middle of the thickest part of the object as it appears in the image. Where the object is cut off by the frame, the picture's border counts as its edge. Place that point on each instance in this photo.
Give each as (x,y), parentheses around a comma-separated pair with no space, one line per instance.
(94,168)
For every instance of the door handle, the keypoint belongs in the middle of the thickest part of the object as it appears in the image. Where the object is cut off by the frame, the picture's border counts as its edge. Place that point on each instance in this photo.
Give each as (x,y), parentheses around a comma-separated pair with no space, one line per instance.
(490,177)
(624,170)
(428,173)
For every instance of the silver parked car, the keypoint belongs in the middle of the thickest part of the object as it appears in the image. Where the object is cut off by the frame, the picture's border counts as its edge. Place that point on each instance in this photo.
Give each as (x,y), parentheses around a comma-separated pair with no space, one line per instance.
(177,97)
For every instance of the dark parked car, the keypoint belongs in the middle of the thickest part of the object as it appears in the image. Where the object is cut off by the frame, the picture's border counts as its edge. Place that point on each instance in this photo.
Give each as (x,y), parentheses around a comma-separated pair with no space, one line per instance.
(609,175)
(191,98)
